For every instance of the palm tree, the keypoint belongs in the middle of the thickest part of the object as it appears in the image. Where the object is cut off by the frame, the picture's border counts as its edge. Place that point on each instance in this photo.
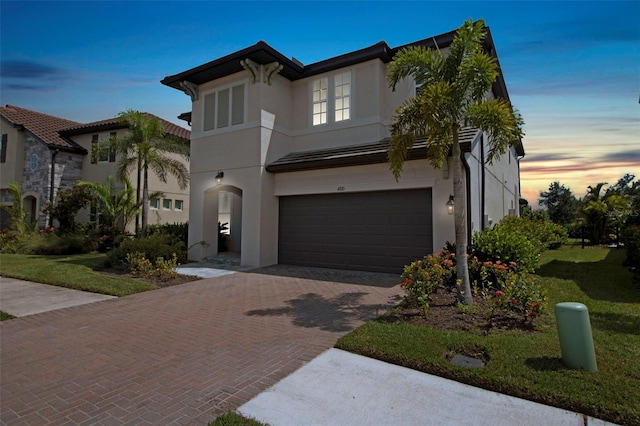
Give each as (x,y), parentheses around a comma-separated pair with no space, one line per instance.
(18,214)
(117,208)
(145,148)
(452,95)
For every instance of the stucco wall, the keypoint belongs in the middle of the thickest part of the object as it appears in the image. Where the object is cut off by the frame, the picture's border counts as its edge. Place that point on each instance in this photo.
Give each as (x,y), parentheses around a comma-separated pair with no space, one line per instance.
(99,172)
(278,121)
(11,170)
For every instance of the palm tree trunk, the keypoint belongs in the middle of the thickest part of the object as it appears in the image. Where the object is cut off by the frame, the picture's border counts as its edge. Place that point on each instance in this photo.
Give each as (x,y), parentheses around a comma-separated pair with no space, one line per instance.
(139,171)
(459,195)
(145,201)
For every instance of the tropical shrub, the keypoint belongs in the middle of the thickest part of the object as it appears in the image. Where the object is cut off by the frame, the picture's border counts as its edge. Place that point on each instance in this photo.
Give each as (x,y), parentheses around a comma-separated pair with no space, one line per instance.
(68,203)
(178,231)
(501,284)
(422,277)
(161,269)
(522,294)
(46,242)
(151,247)
(544,232)
(632,244)
(507,245)
(488,274)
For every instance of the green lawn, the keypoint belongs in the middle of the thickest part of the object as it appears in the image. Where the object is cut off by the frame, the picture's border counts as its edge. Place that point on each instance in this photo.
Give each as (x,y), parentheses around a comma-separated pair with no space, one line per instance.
(529,365)
(78,272)
(5,316)
(234,419)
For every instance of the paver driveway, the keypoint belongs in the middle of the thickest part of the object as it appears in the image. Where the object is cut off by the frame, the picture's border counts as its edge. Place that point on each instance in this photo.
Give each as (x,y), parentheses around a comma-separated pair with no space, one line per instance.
(178,355)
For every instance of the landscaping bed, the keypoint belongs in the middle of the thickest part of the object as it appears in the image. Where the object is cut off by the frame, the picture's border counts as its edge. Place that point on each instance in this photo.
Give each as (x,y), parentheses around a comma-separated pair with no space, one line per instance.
(82,272)
(521,359)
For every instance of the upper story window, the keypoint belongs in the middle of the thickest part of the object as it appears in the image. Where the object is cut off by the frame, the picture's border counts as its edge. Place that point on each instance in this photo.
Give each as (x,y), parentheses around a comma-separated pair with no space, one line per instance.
(103,150)
(224,108)
(33,162)
(337,100)
(342,86)
(320,101)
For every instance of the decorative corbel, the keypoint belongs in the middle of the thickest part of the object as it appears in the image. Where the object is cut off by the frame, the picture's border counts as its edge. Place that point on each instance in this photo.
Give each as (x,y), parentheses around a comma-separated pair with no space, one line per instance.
(270,70)
(253,68)
(190,89)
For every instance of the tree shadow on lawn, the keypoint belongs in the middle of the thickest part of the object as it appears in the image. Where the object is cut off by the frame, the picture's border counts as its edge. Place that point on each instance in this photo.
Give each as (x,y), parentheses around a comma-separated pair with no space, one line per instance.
(618,323)
(546,363)
(94,262)
(603,280)
(341,313)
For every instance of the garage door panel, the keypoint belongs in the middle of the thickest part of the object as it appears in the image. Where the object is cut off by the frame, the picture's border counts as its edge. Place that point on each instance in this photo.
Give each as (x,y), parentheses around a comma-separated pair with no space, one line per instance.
(378,231)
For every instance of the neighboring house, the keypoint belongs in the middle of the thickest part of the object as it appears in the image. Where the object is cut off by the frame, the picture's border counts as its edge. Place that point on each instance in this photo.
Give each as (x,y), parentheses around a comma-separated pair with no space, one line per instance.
(32,142)
(293,157)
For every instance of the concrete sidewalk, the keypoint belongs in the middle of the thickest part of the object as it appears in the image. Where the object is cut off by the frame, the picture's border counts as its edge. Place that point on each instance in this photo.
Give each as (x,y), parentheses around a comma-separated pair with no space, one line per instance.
(339,387)
(21,298)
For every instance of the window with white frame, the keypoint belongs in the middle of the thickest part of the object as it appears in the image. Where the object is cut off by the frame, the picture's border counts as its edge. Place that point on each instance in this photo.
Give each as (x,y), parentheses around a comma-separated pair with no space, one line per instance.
(320,101)
(177,205)
(166,204)
(342,87)
(153,204)
(337,100)
(224,108)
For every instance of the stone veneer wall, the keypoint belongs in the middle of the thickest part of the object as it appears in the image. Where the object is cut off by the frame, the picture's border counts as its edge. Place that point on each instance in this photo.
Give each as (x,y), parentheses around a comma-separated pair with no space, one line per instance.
(68,169)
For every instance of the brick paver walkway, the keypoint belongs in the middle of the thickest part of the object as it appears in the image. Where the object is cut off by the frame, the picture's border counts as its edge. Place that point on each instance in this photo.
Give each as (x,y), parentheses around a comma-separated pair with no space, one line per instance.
(178,355)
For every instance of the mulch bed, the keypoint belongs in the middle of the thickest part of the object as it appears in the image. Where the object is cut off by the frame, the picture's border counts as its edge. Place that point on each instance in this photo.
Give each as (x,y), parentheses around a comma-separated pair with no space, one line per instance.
(445,314)
(160,282)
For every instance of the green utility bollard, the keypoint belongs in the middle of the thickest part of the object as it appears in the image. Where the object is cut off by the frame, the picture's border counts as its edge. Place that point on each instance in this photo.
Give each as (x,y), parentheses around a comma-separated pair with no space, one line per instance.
(576,340)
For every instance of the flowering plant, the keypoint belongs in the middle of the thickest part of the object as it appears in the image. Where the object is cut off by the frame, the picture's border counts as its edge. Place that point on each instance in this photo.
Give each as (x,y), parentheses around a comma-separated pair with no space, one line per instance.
(521,294)
(422,277)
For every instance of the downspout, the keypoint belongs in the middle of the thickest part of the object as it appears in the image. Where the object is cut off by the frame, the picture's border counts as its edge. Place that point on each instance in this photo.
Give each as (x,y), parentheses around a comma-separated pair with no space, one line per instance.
(467,171)
(53,180)
(483,183)
(519,185)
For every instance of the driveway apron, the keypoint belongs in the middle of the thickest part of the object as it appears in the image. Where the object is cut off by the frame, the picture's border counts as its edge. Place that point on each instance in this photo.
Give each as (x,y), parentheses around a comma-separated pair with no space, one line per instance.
(178,355)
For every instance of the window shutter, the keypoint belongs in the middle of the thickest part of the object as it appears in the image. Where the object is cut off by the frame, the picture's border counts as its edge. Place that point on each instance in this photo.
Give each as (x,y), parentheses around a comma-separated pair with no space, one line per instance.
(223,109)
(209,111)
(94,149)
(237,105)
(112,148)
(3,149)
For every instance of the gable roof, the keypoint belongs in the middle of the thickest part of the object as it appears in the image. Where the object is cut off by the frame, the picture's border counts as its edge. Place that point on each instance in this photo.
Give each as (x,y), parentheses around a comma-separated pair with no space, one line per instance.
(116,123)
(43,126)
(262,53)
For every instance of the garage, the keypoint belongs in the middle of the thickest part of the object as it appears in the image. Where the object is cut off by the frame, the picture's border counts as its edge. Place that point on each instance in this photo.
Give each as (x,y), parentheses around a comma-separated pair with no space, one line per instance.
(368,231)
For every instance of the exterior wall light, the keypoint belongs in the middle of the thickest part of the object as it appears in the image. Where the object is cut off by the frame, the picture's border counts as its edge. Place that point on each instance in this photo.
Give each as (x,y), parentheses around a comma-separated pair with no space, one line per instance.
(450,205)
(219,177)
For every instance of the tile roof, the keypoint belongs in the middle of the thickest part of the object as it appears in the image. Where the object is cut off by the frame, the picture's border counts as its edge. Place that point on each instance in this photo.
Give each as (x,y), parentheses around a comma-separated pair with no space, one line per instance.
(43,126)
(357,155)
(115,123)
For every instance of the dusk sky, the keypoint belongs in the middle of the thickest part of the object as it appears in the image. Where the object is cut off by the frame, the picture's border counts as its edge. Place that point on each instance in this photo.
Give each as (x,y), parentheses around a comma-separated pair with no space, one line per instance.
(572,68)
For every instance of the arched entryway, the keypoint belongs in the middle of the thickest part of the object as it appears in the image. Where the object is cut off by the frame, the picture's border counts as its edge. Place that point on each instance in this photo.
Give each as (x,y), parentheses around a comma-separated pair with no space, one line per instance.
(222,220)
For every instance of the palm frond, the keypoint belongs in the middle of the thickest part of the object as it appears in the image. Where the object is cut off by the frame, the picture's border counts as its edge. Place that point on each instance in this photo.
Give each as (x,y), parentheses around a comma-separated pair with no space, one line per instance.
(497,118)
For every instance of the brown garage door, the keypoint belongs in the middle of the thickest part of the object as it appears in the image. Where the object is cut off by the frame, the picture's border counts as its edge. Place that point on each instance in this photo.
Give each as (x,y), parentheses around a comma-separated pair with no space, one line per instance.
(368,231)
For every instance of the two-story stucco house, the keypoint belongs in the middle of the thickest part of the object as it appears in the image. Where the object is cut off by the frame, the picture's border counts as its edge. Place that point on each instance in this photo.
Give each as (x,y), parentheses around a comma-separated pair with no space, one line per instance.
(293,157)
(32,142)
